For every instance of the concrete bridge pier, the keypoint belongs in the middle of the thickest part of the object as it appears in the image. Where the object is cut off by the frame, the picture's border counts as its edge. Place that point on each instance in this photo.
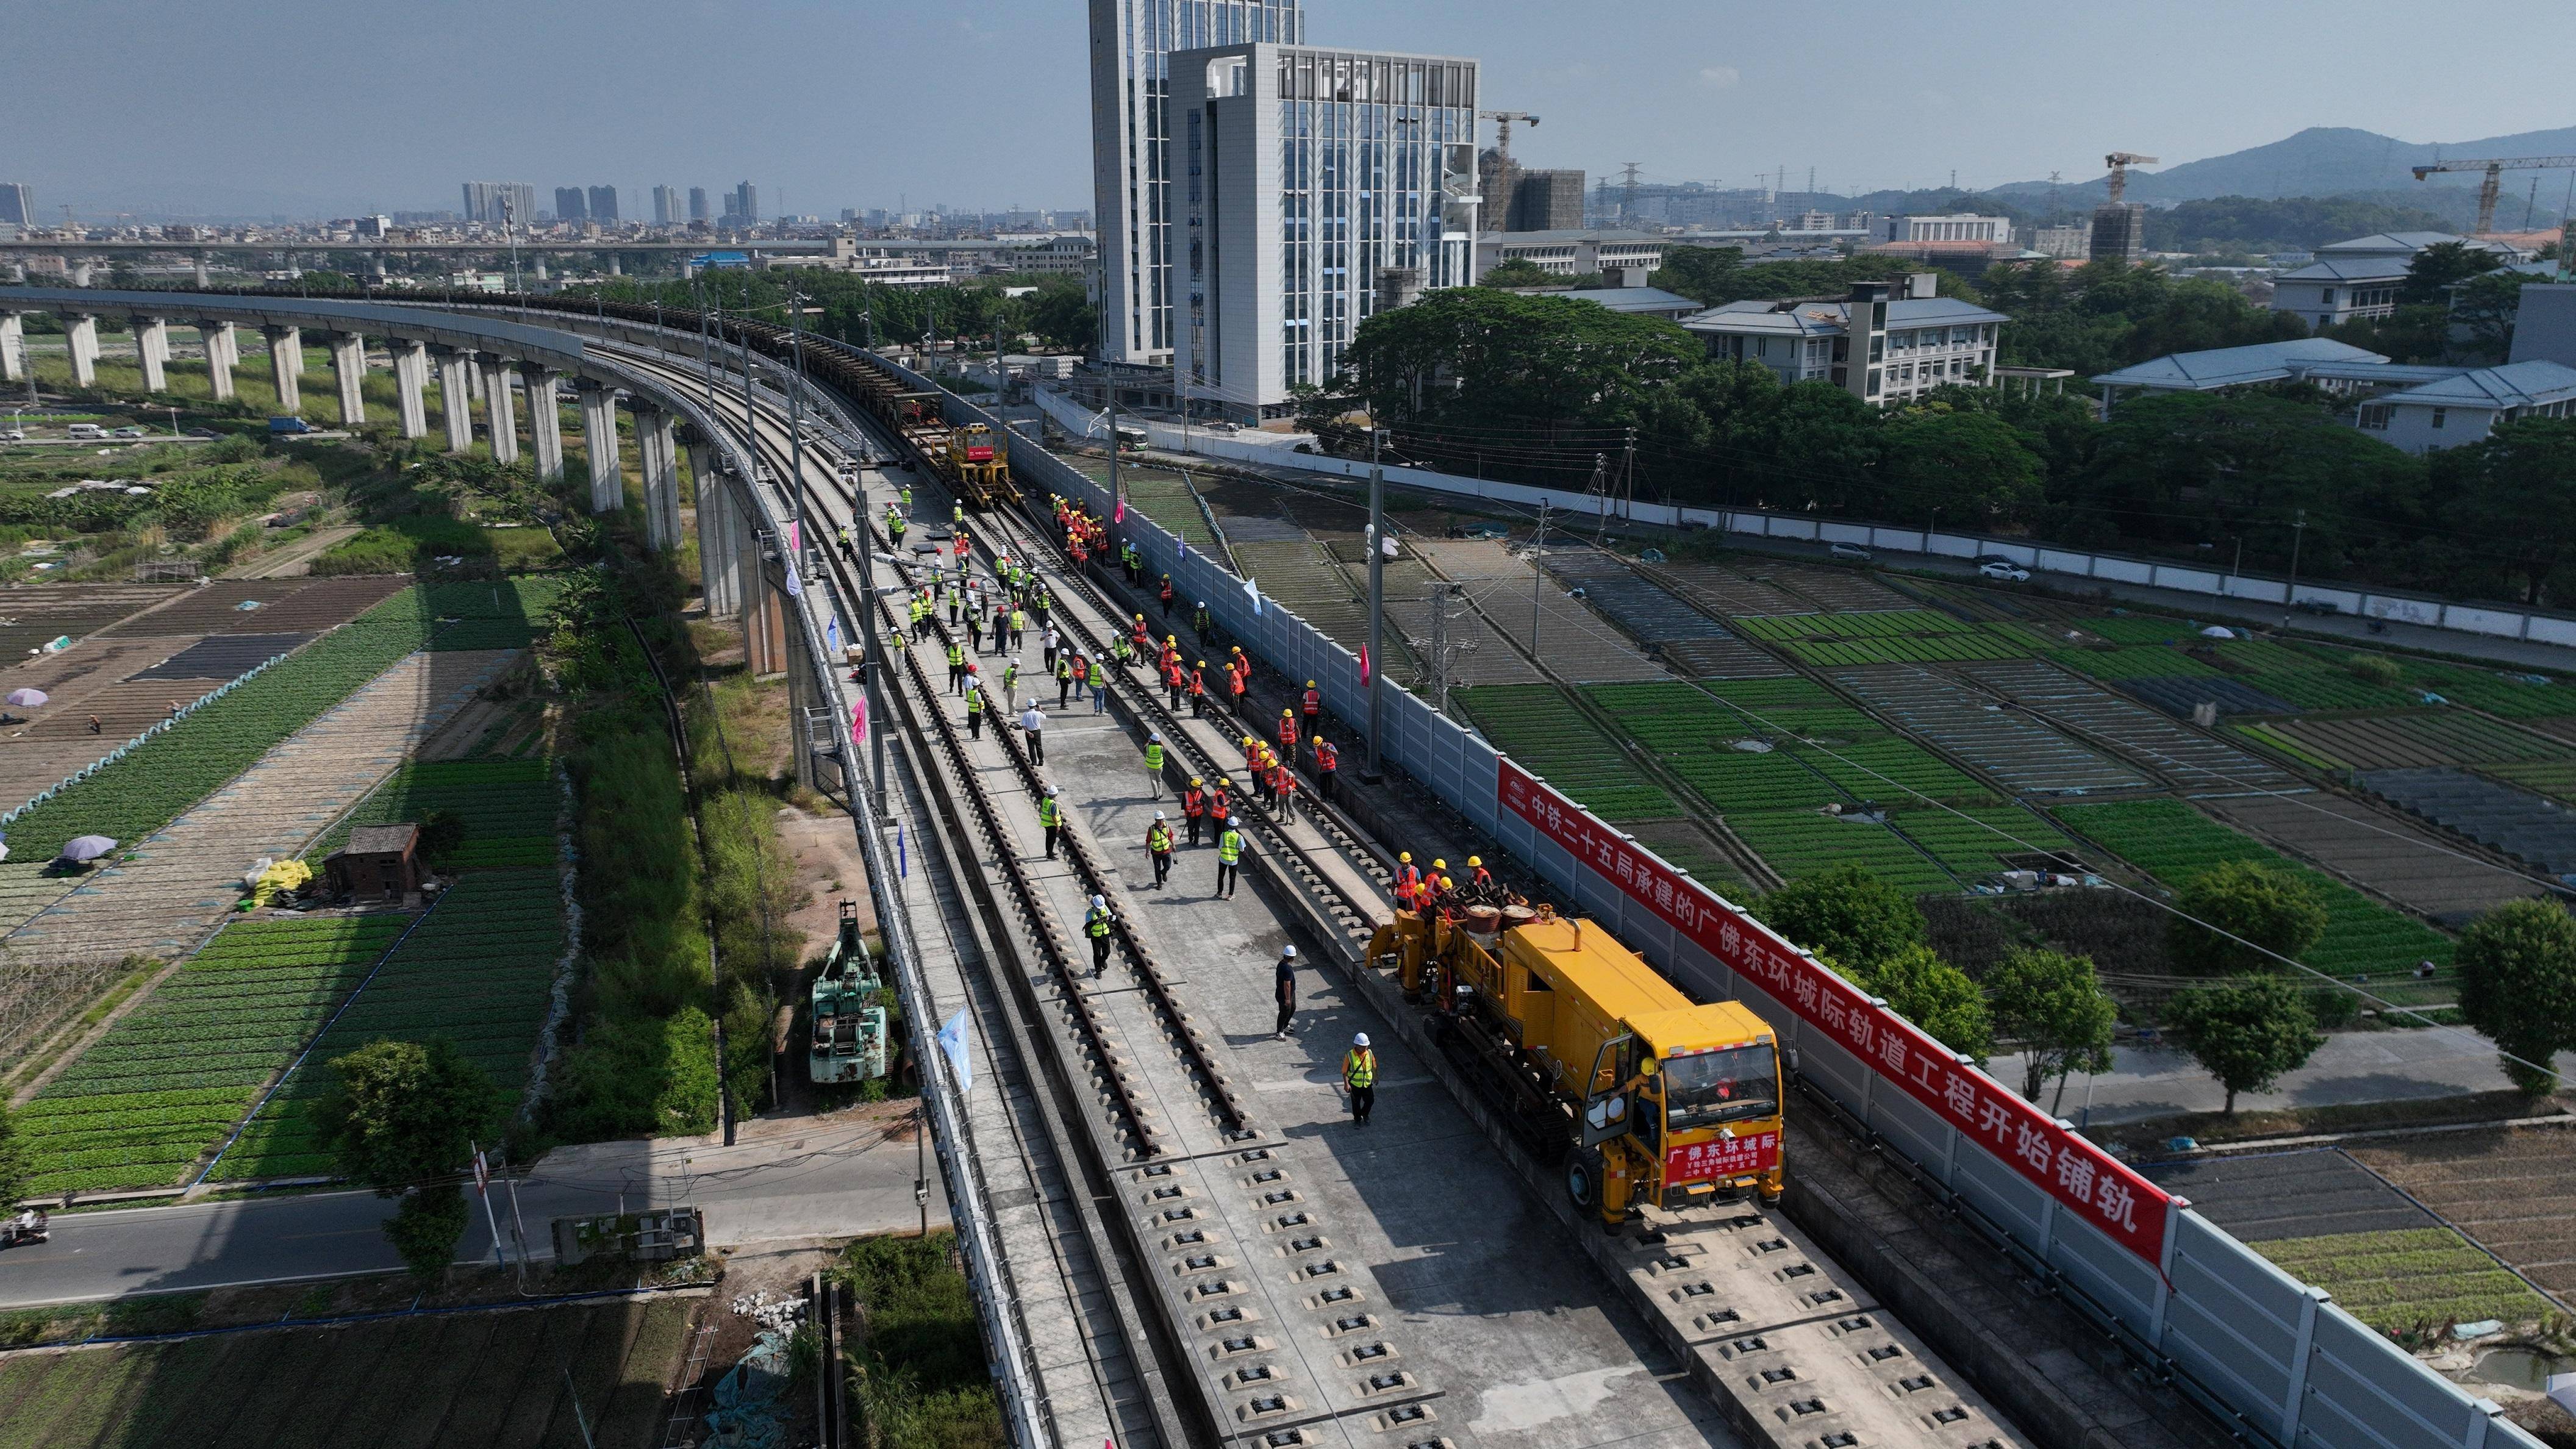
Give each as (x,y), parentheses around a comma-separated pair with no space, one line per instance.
(349,370)
(411,379)
(656,444)
(286,366)
(764,614)
(80,271)
(152,350)
(220,356)
(80,336)
(13,347)
(545,419)
(497,409)
(719,550)
(599,440)
(455,399)
(203,281)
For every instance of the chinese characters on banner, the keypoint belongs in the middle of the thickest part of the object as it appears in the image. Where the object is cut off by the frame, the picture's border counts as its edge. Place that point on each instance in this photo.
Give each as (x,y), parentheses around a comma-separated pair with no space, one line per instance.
(2084,1179)
(1722,1157)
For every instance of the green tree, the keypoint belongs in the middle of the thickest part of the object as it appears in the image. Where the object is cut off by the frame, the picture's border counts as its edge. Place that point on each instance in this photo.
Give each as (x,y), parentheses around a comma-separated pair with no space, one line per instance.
(404,1114)
(2270,911)
(1519,272)
(1062,316)
(2518,986)
(2430,275)
(1936,996)
(1970,467)
(2055,1008)
(2516,489)
(2484,308)
(14,1173)
(1477,356)
(2247,1036)
(1848,914)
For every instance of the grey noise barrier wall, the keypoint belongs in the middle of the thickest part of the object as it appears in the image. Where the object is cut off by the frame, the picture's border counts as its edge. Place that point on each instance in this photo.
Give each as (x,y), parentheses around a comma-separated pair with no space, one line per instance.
(2275,1358)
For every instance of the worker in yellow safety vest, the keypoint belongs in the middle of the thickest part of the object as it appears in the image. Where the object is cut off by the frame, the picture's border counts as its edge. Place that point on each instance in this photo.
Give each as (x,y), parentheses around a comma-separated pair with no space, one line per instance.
(1359,1075)
(1095,924)
(1229,853)
(1154,767)
(1158,844)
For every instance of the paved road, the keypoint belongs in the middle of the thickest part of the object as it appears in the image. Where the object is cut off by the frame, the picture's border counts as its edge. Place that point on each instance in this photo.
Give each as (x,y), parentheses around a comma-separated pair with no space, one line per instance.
(787,1180)
(2352,1067)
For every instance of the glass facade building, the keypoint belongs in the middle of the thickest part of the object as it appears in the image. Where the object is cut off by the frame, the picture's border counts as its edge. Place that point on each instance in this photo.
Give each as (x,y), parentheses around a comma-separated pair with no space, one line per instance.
(1316,186)
(1132,42)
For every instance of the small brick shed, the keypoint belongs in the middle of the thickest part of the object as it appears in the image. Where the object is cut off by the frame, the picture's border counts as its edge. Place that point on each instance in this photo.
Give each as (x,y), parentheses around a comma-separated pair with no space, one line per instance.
(380,862)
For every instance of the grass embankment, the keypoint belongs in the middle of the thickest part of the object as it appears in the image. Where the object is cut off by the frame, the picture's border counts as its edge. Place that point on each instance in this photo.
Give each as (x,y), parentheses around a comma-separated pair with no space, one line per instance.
(919,1375)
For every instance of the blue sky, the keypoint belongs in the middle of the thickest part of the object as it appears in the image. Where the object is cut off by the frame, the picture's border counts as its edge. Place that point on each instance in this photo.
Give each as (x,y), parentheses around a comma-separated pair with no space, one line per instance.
(254,106)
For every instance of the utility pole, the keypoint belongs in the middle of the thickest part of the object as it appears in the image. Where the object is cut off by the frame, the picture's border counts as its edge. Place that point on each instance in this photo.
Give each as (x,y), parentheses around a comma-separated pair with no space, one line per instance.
(796,422)
(1600,490)
(1538,574)
(1377,596)
(2298,536)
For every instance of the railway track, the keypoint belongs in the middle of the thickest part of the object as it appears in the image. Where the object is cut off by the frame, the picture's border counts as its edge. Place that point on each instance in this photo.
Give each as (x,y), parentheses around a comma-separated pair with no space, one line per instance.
(1784,1342)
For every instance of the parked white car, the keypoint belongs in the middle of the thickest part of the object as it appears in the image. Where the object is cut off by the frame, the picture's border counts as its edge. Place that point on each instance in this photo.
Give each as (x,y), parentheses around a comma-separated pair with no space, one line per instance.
(1850,552)
(2011,573)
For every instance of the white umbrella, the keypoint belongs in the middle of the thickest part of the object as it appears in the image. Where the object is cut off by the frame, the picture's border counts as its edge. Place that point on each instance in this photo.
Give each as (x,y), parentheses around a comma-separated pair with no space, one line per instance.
(87,847)
(28,698)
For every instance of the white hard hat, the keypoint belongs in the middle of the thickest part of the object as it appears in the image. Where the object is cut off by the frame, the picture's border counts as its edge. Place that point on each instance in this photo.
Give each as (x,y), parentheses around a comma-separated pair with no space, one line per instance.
(1288,951)
(1234,820)
(1156,737)
(1158,814)
(1360,1040)
(1097,901)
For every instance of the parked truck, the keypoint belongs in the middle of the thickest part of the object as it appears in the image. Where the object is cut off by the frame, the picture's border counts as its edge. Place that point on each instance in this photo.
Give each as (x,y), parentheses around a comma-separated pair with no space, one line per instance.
(1596,1060)
(847,1036)
(281,427)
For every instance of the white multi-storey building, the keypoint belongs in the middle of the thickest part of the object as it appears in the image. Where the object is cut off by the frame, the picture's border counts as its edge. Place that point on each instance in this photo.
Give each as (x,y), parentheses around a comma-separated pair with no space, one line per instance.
(1131,46)
(1315,186)
(1961,226)
(1887,343)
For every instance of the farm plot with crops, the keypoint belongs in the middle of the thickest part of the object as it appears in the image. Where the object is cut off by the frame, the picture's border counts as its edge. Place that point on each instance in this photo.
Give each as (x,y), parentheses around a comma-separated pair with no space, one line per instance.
(2419,738)
(1895,636)
(143,1104)
(2525,826)
(2417,1279)
(2172,842)
(479,971)
(2192,760)
(164,775)
(2379,848)
(2554,778)
(2026,756)
(1802,842)
(2134,661)
(2508,1188)
(507,807)
(1534,725)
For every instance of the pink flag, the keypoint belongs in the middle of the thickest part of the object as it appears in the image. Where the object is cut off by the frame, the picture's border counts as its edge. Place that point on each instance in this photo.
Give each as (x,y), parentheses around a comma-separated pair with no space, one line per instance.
(1364,665)
(859,720)
(1119,514)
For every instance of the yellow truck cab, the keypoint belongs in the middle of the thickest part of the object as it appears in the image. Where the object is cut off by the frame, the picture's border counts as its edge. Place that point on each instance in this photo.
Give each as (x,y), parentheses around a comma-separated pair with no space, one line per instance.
(1649,1097)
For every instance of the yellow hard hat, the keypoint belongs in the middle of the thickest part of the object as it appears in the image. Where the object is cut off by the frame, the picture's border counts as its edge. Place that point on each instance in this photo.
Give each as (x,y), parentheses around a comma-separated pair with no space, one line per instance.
(1225,782)
(1406,857)
(1202,664)
(1195,780)
(1310,684)
(1474,861)
(1446,882)
(1285,713)
(1439,865)
(1319,741)
(1171,638)
(1247,740)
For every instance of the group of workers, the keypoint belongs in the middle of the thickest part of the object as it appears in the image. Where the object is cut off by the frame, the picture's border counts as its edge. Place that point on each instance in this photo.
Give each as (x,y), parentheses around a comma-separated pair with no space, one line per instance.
(1438,893)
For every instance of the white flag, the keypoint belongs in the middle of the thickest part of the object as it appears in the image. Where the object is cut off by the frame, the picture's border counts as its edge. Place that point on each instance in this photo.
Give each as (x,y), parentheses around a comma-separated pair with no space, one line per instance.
(1254,590)
(952,1044)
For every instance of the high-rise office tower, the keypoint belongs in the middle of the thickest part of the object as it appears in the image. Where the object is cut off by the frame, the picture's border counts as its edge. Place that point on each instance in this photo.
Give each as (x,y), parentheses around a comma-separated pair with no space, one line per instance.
(603,203)
(666,205)
(1131,46)
(570,204)
(1313,188)
(744,204)
(17,204)
(698,204)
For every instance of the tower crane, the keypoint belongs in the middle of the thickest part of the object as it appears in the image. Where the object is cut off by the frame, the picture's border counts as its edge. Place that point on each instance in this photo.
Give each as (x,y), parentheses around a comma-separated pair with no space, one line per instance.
(2494,182)
(1503,133)
(2120,162)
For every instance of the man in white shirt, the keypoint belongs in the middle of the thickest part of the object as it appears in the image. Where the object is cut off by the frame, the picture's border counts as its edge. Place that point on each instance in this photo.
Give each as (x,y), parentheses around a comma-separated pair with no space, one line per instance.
(1033,722)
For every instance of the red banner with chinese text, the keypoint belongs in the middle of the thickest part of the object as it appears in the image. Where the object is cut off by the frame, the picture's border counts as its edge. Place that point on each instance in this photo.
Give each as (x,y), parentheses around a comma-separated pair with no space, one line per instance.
(1722,1157)
(2083,1178)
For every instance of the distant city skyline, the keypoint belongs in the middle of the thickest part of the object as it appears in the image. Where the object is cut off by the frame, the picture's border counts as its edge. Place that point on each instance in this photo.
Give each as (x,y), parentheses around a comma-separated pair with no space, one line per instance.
(785,95)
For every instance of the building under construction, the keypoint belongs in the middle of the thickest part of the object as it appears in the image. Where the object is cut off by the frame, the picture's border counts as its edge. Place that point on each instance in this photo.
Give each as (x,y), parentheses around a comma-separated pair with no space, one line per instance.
(2119,225)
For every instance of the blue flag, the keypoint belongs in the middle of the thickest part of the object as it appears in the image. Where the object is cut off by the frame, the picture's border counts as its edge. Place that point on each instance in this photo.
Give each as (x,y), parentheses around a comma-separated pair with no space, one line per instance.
(952,1045)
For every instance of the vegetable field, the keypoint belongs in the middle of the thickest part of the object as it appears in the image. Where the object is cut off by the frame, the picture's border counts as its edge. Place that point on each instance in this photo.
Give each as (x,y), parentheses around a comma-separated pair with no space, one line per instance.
(1535,725)
(1894,636)
(2136,661)
(465,1379)
(2420,1278)
(478,971)
(2420,738)
(2172,842)
(508,807)
(141,1106)
(173,770)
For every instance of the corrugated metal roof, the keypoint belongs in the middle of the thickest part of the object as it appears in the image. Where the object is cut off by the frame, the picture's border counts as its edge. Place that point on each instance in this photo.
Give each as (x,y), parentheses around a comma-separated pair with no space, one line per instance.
(2514,385)
(2350,269)
(2219,367)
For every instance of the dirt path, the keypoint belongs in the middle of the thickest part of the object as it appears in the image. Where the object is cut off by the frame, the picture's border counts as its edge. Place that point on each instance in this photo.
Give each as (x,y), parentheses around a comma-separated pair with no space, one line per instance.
(296,559)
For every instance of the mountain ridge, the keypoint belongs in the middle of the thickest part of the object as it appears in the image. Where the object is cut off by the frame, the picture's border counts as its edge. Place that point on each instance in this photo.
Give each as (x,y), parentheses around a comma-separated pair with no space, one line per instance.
(2317,161)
